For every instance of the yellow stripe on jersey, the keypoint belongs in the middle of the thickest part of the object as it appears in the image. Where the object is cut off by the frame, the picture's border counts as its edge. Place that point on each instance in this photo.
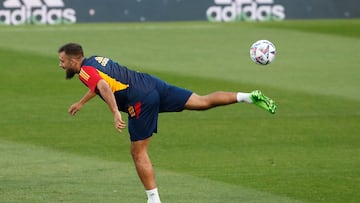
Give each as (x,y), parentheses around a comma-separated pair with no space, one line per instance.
(114,84)
(84,75)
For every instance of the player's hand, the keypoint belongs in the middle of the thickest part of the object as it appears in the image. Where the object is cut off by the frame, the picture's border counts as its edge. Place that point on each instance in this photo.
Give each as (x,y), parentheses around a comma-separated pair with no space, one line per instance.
(118,122)
(74,108)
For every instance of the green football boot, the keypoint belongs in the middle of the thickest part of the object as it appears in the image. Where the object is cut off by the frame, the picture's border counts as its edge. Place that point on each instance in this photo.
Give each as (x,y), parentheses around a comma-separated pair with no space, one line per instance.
(262,101)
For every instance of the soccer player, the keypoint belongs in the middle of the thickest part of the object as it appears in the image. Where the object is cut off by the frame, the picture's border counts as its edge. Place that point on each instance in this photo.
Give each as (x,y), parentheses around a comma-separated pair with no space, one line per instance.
(142,97)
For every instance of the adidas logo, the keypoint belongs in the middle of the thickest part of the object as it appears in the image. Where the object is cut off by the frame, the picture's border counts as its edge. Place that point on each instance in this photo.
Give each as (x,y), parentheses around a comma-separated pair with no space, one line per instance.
(246,10)
(18,12)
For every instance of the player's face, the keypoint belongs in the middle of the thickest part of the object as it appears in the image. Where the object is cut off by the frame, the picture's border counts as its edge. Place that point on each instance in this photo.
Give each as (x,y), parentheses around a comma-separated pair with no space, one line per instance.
(68,64)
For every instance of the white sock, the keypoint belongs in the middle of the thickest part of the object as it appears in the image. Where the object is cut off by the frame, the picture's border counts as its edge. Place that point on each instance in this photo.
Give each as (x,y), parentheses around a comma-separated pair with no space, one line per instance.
(153,196)
(244,97)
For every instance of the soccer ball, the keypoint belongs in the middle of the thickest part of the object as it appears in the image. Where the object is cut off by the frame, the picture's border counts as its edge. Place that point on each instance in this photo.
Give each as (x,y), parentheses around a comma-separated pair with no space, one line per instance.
(262,52)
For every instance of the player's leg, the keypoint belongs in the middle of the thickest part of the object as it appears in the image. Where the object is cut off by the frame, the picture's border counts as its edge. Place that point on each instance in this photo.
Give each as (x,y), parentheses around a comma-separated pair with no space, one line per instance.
(139,153)
(142,123)
(144,168)
(198,102)
(220,98)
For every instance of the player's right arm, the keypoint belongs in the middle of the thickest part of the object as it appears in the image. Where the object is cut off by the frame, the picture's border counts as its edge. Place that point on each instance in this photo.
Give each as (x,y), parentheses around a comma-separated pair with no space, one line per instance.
(108,96)
(96,84)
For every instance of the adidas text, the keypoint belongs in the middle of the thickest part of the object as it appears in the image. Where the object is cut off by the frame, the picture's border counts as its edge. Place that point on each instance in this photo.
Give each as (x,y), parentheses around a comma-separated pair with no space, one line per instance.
(245,10)
(15,14)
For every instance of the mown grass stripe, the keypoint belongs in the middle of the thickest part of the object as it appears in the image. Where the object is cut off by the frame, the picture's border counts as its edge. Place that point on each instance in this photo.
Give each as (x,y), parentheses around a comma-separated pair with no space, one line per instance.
(37,174)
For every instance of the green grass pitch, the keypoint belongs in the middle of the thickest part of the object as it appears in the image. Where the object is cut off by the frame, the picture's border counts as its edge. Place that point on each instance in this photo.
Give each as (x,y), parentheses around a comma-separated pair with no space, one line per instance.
(307,152)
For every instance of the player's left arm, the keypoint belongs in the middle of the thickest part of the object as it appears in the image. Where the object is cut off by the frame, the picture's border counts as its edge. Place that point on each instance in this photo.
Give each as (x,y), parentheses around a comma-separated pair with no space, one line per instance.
(78,105)
(90,77)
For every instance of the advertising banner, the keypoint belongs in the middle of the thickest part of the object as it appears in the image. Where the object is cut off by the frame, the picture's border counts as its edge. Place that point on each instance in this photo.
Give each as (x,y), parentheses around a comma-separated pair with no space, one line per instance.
(19,12)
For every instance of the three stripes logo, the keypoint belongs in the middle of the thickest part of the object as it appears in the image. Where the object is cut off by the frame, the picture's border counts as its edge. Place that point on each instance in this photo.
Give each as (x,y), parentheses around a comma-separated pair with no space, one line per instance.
(18,12)
(84,75)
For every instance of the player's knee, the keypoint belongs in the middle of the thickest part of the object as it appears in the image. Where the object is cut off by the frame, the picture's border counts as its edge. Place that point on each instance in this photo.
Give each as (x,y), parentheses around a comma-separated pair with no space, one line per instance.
(135,151)
(205,105)
(138,151)
(197,102)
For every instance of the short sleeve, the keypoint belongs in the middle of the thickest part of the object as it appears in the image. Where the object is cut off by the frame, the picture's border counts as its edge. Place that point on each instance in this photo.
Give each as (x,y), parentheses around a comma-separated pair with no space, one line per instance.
(90,77)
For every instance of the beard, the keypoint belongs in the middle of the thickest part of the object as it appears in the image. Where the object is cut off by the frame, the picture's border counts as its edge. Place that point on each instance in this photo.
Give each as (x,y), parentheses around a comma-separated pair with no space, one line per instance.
(70,74)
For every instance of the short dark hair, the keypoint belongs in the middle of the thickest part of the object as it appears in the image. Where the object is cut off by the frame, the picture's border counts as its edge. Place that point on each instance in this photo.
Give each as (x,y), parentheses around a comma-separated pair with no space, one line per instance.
(72,49)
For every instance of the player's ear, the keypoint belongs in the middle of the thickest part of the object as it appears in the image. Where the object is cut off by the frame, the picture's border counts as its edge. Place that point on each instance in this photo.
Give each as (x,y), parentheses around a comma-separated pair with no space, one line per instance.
(75,62)
(72,60)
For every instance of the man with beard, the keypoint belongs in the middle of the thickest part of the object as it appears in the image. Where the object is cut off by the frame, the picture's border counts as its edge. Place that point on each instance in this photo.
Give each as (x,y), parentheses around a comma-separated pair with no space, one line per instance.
(142,97)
